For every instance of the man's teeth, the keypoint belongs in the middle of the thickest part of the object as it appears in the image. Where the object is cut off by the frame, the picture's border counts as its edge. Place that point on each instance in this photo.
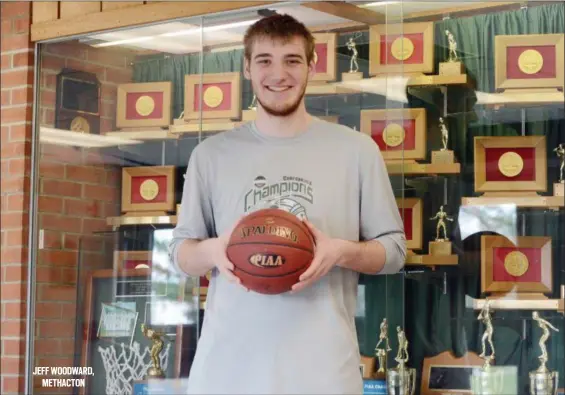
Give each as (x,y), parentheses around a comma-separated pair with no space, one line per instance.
(278,88)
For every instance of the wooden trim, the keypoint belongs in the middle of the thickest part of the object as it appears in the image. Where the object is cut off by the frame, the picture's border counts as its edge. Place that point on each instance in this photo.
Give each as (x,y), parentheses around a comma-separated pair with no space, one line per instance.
(72,9)
(193,81)
(148,171)
(447,359)
(133,16)
(347,11)
(330,39)
(112,5)
(165,87)
(44,11)
(474,8)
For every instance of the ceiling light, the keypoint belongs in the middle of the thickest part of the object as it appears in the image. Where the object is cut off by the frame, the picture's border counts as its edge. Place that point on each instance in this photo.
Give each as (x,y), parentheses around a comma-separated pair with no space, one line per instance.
(208,28)
(121,42)
(379,3)
(77,139)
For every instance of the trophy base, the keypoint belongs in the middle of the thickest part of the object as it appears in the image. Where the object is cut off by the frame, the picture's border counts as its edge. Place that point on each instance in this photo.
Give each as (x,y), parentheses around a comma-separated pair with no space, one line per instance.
(443,157)
(440,248)
(155,373)
(451,68)
(401,381)
(496,380)
(543,383)
(352,76)
(248,115)
(559,189)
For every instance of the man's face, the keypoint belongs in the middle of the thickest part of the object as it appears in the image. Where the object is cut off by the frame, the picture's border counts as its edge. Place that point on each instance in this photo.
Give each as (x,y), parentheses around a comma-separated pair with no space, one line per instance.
(279,74)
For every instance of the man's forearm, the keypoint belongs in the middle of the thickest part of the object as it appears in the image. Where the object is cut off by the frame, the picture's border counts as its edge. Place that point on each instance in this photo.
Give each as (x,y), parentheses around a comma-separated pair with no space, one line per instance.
(194,257)
(365,256)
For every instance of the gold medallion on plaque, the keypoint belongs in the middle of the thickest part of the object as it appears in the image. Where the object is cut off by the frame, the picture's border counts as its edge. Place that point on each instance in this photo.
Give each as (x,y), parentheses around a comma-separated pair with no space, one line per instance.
(510,164)
(213,96)
(402,48)
(516,263)
(149,189)
(80,124)
(393,135)
(530,61)
(144,105)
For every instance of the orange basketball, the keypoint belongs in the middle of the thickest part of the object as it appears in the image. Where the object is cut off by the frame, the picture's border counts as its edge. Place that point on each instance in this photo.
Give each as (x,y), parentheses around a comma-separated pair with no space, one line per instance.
(270,249)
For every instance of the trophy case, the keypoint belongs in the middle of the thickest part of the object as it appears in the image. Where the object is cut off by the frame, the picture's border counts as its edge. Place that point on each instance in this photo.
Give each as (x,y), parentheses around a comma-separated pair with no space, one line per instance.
(466,106)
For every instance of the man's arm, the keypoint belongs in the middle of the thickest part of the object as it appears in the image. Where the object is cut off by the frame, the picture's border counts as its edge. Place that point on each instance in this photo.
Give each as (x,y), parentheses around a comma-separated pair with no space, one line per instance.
(367,257)
(193,257)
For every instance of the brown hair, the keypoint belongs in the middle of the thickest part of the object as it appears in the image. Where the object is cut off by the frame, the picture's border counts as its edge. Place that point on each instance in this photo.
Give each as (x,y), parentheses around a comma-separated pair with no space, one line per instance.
(279,27)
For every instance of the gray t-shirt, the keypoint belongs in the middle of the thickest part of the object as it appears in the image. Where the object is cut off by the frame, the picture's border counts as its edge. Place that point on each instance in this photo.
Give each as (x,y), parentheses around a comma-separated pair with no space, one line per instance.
(302,343)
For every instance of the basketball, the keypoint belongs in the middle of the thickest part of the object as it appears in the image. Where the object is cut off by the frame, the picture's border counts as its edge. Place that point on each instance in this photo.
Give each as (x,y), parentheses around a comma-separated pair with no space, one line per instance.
(270,249)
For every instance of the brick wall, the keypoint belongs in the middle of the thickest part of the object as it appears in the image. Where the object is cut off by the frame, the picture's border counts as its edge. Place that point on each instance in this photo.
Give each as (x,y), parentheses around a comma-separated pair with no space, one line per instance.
(16,115)
(78,189)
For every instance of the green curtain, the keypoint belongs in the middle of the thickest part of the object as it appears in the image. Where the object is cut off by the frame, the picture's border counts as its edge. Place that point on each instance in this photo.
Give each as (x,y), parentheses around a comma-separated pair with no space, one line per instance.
(431,305)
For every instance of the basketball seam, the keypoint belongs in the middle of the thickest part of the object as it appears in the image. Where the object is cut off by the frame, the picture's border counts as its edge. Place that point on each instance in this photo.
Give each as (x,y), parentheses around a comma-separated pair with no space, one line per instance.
(305,228)
(272,276)
(271,243)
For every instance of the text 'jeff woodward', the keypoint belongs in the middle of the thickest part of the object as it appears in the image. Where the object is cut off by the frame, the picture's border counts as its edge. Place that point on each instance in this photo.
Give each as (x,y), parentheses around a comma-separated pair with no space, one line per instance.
(63,371)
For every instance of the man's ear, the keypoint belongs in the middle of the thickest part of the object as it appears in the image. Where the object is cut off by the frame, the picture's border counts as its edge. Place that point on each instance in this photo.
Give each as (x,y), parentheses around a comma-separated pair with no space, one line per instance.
(246,72)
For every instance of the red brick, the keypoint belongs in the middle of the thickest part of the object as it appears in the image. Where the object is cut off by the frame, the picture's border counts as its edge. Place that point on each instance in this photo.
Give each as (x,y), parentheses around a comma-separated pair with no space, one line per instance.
(48,79)
(58,257)
(12,384)
(47,310)
(22,95)
(48,98)
(14,184)
(47,346)
(51,169)
(14,273)
(16,8)
(17,202)
(6,96)
(99,192)
(90,243)
(47,274)
(59,154)
(21,132)
(22,59)
(69,310)
(21,25)
(82,208)
(88,67)
(118,76)
(20,165)
(68,276)
(49,292)
(17,237)
(13,291)
(49,329)
(12,310)
(14,255)
(94,225)
(108,92)
(6,27)
(52,239)
(15,150)
(15,114)
(15,42)
(95,175)
(61,188)
(52,63)
(18,77)
(14,220)
(13,328)
(50,204)
(13,364)
(59,222)
(68,50)
(13,347)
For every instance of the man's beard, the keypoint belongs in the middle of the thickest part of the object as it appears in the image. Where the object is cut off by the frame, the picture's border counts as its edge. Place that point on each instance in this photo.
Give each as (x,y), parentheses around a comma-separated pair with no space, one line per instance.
(285,111)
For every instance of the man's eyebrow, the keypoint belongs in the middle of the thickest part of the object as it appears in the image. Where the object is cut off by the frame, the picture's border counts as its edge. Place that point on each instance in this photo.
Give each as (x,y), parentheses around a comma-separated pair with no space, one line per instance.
(263,55)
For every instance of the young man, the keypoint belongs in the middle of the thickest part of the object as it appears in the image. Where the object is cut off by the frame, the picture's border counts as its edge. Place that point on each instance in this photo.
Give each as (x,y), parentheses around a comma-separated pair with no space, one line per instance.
(335,180)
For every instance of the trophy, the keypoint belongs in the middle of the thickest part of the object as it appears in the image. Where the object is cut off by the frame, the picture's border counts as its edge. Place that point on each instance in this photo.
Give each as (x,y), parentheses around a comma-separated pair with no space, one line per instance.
(453,66)
(381,352)
(353,73)
(401,380)
(444,155)
(440,246)
(156,337)
(542,380)
(559,187)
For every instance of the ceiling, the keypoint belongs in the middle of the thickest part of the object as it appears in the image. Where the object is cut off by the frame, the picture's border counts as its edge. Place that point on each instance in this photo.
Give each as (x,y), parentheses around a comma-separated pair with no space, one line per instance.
(180,37)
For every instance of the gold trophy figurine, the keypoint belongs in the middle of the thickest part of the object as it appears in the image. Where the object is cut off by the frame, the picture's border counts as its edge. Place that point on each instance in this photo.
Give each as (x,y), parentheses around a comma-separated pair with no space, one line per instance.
(485,317)
(353,73)
(401,380)
(543,381)
(156,337)
(453,66)
(441,246)
(253,105)
(559,187)
(381,352)
(444,155)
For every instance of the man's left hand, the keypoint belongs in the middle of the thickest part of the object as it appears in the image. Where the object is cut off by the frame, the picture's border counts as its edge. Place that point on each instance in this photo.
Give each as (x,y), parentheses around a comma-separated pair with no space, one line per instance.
(327,254)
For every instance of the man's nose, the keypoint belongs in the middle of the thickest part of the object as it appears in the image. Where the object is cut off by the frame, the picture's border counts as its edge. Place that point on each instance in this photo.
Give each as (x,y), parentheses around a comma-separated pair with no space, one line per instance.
(278,71)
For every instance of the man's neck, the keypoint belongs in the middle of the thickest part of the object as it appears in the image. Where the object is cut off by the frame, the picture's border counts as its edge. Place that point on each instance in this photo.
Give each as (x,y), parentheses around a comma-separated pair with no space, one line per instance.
(287,126)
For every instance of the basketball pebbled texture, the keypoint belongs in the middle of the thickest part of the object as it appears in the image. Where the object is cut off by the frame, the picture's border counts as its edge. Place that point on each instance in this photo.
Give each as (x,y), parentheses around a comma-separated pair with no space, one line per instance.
(270,249)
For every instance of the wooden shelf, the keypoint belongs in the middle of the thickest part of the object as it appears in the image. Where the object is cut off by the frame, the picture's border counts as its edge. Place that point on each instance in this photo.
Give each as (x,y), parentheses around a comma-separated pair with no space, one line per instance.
(520,98)
(519,304)
(423,168)
(549,202)
(147,134)
(432,260)
(433,80)
(141,220)
(204,127)
(330,88)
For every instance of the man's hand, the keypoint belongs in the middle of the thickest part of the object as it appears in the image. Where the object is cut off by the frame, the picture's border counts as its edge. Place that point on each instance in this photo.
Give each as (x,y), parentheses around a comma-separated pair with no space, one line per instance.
(327,254)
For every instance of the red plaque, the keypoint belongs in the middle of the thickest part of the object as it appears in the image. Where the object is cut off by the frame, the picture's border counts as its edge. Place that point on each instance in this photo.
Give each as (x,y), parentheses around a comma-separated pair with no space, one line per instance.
(411,213)
(325,57)
(523,266)
(145,104)
(148,189)
(212,96)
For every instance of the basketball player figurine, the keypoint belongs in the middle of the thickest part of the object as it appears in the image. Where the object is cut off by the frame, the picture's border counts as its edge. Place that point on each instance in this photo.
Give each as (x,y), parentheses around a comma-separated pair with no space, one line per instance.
(444,134)
(402,354)
(560,152)
(154,371)
(353,48)
(485,317)
(381,352)
(441,216)
(253,105)
(452,47)
(545,326)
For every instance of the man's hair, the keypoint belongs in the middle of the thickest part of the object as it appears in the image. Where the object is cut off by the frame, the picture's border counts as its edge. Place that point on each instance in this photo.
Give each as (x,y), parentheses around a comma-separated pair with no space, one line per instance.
(278,27)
